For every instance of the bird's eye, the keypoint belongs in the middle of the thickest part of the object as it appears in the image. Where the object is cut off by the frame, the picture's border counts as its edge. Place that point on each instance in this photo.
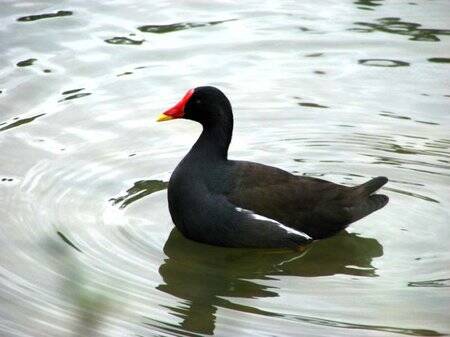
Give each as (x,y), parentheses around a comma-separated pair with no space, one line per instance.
(198,101)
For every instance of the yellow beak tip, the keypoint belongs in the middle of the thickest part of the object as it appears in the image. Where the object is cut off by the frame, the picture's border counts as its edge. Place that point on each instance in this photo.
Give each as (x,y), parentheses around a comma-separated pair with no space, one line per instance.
(163,117)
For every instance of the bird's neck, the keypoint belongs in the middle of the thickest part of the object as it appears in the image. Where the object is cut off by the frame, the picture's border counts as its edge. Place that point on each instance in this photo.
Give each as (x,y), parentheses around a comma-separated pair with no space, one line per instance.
(215,139)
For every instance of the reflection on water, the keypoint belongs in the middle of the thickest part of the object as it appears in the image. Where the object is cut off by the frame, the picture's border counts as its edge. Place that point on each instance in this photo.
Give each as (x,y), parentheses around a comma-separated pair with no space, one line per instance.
(397,26)
(439,59)
(174,27)
(368,4)
(124,40)
(202,276)
(139,190)
(205,278)
(18,122)
(43,16)
(383,63)
(26,63)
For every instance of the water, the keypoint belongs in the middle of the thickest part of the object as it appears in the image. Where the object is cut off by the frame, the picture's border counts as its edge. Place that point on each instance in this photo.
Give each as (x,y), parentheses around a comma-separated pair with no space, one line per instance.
(335,89)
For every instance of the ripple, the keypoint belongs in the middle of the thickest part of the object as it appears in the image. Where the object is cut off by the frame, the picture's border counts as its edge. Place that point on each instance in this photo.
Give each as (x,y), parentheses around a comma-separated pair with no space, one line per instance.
(124,41)
(44,16)
(383,63)
(18,122)
(139,190)
(395,25)
(66,240)
(439,283)
(439,59)
(70,97)
(312,105)
(368,4)
(26,63)
(175,27)
(71,91)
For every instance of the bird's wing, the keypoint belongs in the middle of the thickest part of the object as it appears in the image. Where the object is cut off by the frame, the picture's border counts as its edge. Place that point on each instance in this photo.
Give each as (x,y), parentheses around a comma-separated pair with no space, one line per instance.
(313,206)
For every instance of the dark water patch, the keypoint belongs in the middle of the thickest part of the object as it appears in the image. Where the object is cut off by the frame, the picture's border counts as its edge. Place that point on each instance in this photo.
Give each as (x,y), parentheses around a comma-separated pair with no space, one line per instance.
(174,27)
(426,122)
(369,5)
(67,98)
(124,41)
(439,59)
(319,72)
(44,16)
(395,25)
(26,63)
(383,63)
(125,73)
(313,105)
(314,55)
(47,71)
(139,190)
(71,91)
(393,115)
(66,240)
(439,283)
(19,121)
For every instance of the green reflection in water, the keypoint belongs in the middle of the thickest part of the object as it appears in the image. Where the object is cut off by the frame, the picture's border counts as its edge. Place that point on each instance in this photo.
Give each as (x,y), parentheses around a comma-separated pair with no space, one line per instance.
(313,105)
(75,96)
(204,277)
(72,91)
(368,4)
(397,26)
(67,241)
(19,122)
(139,190)
(44,16)
(26,63)
(439,60)
(440,283)
(124,41)
(383,63)
(174,27)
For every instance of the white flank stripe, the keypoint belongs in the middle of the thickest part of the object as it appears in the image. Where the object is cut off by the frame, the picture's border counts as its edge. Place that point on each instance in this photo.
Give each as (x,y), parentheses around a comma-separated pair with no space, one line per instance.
(261,217)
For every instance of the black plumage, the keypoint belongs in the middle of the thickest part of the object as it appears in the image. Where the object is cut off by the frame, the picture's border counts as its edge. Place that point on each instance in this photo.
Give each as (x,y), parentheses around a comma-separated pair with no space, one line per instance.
(243,204)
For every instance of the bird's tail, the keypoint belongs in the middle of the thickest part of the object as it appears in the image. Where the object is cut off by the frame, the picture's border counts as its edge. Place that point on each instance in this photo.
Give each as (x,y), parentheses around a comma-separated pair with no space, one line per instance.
(370,186)
(369,202)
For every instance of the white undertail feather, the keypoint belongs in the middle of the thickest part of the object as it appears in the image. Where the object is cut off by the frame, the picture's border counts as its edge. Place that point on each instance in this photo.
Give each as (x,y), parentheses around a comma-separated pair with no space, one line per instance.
(263,218)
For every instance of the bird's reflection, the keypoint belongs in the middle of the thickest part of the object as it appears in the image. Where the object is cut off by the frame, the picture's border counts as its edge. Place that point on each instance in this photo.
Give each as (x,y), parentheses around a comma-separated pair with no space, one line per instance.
(203,277)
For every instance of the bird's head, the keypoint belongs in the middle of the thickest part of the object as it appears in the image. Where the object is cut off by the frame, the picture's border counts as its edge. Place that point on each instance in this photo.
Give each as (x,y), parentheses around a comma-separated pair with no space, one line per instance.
(201,104)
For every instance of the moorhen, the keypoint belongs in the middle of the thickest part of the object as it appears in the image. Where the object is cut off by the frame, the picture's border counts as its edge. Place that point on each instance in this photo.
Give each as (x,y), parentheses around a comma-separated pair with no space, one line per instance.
(232,203)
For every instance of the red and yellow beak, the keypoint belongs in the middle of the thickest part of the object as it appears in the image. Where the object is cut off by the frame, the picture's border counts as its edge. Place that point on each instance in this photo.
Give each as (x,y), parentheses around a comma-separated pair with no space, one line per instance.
(177,111)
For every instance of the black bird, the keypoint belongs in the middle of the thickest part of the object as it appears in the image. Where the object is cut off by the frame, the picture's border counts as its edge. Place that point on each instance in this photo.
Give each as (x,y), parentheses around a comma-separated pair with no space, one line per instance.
(231,203)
